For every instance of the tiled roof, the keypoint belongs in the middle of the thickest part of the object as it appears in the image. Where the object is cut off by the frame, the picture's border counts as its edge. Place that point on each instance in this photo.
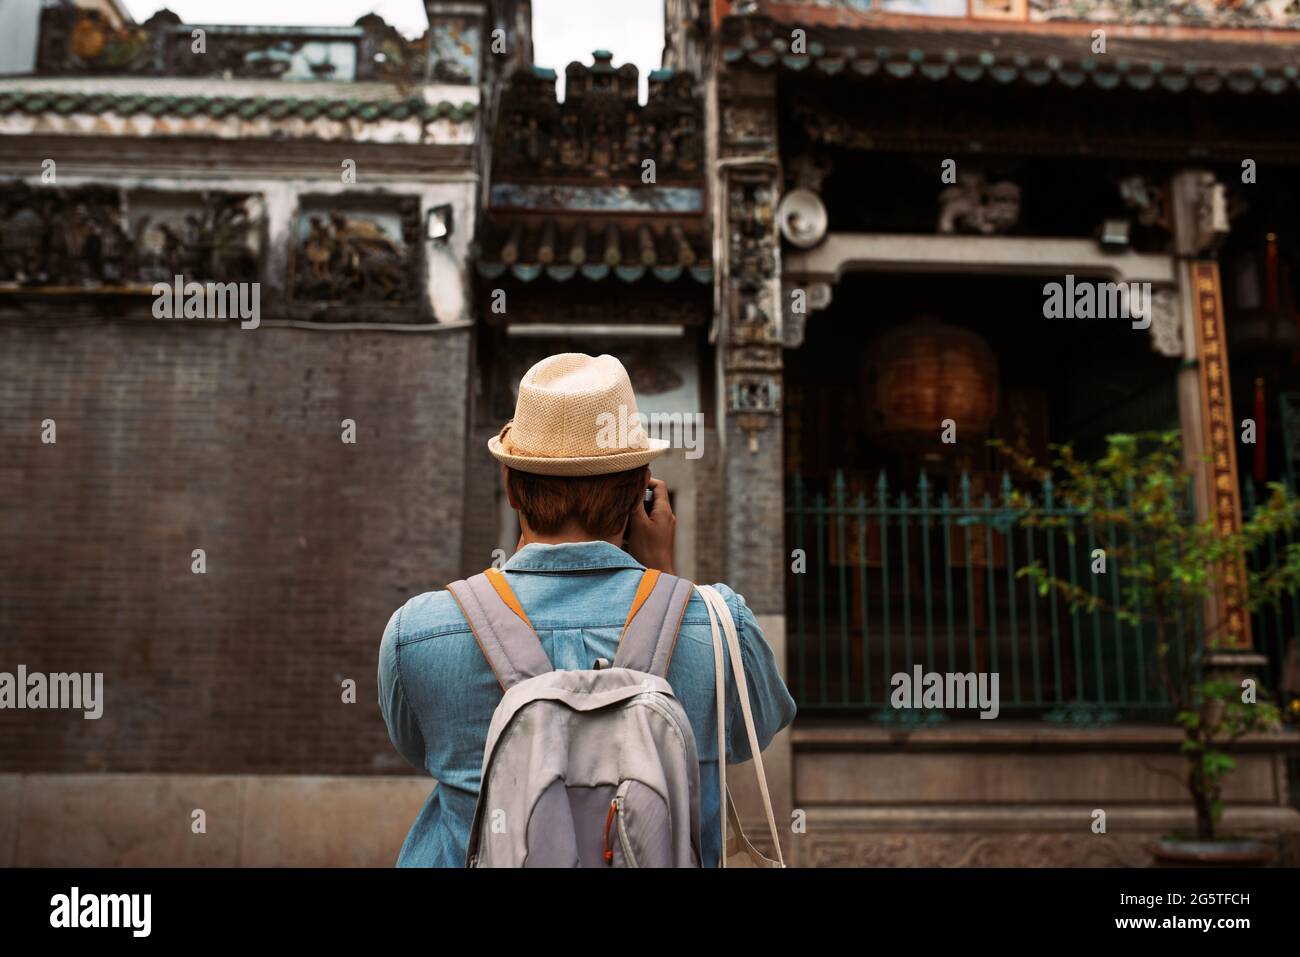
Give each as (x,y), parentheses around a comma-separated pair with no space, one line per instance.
(66,102)
(1032,58)
(530,248)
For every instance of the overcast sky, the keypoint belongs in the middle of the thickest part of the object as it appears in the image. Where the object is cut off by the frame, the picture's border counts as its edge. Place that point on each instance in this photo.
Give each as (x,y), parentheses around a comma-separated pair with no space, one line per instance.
(563,30)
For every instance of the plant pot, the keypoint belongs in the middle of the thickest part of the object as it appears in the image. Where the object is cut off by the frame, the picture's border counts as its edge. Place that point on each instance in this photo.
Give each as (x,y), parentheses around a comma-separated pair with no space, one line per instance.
(1225,852)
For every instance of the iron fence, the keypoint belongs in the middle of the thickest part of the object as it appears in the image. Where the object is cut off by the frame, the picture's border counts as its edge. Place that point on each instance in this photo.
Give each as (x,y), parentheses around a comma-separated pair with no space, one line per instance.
(885,581)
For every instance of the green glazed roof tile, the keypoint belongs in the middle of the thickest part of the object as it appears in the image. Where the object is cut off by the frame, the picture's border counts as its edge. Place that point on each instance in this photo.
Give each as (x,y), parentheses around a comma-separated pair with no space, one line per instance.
(535,246)
(248,107)
(1137,63)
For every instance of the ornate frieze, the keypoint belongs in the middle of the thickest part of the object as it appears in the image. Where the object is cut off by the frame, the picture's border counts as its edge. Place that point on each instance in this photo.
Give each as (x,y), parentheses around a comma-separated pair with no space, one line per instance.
(76,40)
(749,125)
(764,358)
(96,236)
(1184,13)
(754,392)
(600,132)
(217,235)
(350,258)
(752,280)
(64,237)
(363,253)
(1187,13)
(598,199)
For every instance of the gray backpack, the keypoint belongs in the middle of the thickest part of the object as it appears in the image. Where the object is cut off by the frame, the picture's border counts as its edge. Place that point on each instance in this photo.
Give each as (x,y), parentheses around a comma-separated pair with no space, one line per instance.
(593,768)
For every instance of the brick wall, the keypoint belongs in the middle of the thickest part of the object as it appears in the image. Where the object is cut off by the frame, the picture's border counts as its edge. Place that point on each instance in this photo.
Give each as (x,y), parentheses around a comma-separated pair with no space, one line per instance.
(483,491)
(710,511)
(480,535)
(177,437)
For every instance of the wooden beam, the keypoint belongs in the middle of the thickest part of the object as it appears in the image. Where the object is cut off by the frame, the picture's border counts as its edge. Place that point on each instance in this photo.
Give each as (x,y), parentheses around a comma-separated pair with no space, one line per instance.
(1007,255)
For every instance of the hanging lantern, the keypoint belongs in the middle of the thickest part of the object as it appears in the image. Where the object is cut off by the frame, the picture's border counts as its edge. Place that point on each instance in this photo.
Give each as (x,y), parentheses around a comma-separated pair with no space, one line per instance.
(924,372)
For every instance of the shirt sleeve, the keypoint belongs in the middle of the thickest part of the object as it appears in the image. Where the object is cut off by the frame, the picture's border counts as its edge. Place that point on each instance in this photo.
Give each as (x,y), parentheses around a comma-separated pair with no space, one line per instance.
(772,706)
(403,728)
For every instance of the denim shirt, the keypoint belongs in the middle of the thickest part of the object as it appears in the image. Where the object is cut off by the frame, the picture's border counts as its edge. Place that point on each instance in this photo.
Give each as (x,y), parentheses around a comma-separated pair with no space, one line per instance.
(437,692)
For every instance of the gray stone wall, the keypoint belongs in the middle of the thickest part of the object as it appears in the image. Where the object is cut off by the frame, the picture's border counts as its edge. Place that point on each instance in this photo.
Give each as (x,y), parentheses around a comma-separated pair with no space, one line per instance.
(179,436)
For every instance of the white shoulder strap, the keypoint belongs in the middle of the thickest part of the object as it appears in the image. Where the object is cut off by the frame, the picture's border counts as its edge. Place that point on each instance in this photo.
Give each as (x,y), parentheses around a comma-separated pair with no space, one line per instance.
(719,612)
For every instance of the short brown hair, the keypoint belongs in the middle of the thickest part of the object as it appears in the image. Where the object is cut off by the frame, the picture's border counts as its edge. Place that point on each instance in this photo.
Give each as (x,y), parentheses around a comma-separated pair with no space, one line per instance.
(599,504)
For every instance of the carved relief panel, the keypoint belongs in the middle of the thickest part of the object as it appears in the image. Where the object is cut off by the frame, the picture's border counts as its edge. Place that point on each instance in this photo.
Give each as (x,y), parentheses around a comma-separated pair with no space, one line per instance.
(362,253)
(100,236)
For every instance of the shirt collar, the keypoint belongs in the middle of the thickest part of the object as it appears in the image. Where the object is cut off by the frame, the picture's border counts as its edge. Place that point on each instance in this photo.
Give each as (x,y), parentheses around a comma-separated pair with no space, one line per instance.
(570,557)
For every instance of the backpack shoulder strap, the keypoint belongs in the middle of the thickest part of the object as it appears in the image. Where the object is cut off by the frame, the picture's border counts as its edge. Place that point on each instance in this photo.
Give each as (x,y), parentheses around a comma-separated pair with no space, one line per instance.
(502,630)
(650,632)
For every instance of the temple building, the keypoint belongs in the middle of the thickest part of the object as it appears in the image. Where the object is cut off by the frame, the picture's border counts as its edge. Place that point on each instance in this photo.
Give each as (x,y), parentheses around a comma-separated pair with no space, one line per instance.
(903,187)
(839,245)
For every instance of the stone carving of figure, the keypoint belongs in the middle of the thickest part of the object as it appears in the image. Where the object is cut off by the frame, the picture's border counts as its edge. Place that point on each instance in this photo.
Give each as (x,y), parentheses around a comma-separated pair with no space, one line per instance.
(572,154)
(667,148)
(316,250)
(632,141)
(687,141)
(20,247)
(369,258)
(975,206)
(602,149)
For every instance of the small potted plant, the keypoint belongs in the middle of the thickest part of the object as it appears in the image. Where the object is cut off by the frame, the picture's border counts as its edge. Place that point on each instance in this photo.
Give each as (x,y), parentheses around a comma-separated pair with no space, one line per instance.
(1138,495)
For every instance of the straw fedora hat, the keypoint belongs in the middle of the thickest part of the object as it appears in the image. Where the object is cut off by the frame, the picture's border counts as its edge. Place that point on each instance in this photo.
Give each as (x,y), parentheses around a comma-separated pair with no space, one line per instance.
(576,415)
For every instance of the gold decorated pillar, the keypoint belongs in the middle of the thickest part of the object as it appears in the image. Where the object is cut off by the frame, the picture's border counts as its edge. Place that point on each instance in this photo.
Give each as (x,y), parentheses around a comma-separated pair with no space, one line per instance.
(1210,428)
(1219,440)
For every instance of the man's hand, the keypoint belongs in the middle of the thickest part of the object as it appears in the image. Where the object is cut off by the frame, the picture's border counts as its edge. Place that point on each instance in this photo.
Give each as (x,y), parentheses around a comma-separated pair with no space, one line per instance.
(650,537)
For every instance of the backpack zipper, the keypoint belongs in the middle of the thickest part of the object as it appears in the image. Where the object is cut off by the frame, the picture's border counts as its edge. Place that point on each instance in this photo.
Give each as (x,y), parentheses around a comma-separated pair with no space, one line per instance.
(609,819)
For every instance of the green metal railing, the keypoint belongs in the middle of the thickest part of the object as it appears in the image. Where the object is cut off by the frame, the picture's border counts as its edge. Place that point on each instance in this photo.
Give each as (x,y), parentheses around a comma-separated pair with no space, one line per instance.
(1272,627)
(895,580)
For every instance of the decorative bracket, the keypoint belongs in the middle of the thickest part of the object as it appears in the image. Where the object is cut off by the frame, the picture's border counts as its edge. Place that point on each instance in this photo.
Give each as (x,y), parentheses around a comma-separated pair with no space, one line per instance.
(1166,322)
(800,300)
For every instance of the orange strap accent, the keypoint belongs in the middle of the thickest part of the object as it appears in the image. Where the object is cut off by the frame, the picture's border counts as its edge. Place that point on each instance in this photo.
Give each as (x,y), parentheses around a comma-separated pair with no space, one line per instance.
(649,579)
(502,587)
